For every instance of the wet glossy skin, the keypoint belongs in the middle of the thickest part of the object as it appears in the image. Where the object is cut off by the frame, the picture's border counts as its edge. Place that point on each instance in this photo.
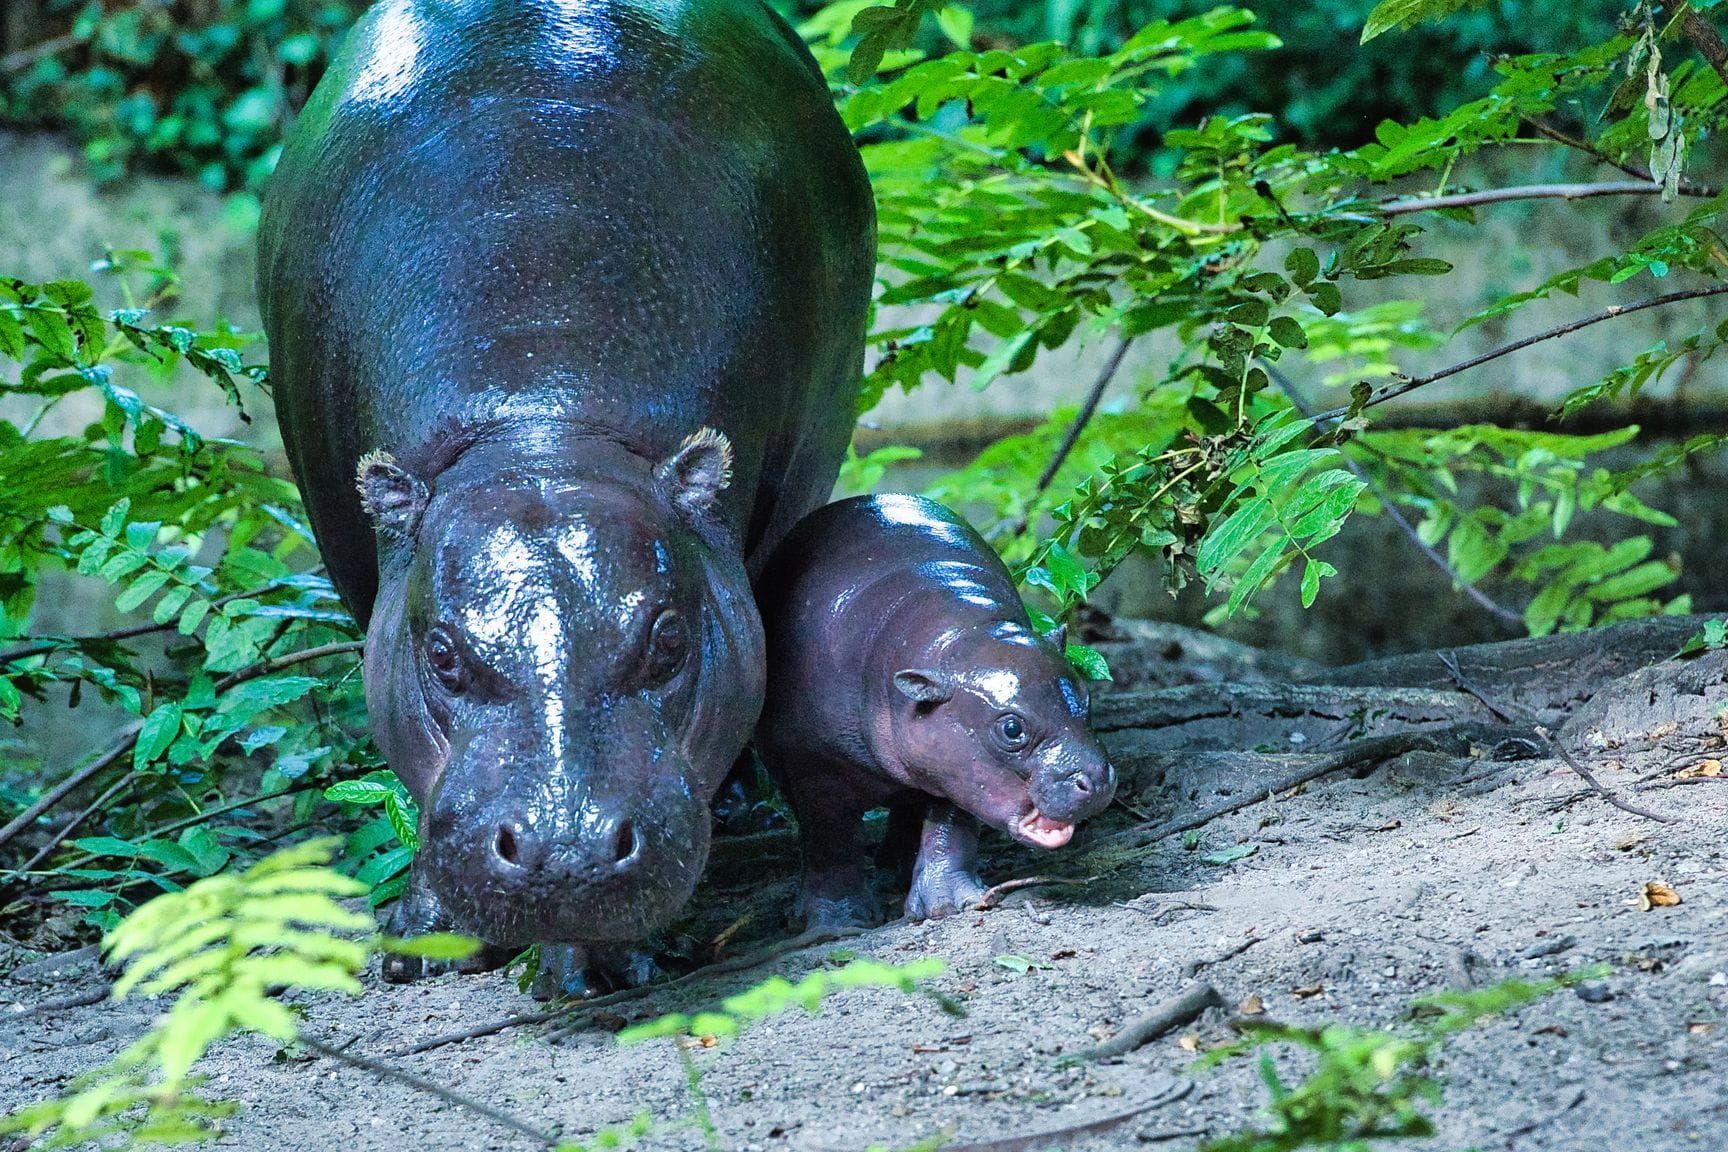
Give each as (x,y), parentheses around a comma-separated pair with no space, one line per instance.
(527,248)
(902,670)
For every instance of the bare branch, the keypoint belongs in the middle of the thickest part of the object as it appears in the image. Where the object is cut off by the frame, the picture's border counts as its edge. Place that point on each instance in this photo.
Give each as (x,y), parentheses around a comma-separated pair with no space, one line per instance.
(449,1096)
(1410,384)
(1703,35)
(1084,417)
(1397,515)
(1686,187)
(1527,192)
(124,745)
(1589,778)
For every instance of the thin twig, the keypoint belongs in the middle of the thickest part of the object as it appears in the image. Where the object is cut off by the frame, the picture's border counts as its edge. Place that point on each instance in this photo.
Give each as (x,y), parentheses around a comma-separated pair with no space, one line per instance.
(62,1003)
(1196,966)
(60,643)
(66,787)
(1083,417)
(1391,391)
(124,745)
(1288,387)
(1058,1137)
(785,948)
(449,1096)
(1585,775)
(1181,1009)
(568,1011)
(65,833)
(1449,661)
(993,896)
(1371,749)
(1524,192)
(1686,187)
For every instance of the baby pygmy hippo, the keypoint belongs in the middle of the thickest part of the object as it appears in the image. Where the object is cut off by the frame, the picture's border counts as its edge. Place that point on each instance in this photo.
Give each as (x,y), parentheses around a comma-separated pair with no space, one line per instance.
(903,670)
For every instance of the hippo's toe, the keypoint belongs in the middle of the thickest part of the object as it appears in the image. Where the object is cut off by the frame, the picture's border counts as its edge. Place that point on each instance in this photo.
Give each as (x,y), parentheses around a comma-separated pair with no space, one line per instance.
(578,972)
(419,913)
(936,893)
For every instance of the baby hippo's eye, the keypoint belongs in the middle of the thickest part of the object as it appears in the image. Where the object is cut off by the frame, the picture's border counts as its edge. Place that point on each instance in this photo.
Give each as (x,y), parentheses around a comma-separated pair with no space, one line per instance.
(668,642)
(1010,732)
(444,656)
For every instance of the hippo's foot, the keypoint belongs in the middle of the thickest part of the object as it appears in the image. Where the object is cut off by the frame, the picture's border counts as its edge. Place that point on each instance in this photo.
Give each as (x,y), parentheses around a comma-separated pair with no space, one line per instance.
(937,894)
(835,896)
(583,971)
(817,912)
(418,913)
(945,878)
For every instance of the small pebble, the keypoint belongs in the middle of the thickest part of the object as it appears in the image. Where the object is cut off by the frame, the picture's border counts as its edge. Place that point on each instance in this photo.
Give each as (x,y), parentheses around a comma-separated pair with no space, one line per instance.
(1594,992)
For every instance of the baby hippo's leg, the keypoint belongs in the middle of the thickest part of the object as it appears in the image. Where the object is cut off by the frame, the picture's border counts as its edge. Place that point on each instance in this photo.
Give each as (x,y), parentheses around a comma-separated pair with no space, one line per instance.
(836,889)
(945,879)
(836,886)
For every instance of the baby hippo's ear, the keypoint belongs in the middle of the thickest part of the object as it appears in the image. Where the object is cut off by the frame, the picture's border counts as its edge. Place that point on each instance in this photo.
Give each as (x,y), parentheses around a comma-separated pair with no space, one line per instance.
(694,476)
(392,497)
(1059,637)
(925,685)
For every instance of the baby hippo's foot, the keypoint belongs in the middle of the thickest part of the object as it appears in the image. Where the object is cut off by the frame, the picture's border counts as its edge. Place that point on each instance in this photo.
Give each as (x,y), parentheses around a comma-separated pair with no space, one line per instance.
(581,972)
(418,913)
(836,899)
(945,878)
(939,892)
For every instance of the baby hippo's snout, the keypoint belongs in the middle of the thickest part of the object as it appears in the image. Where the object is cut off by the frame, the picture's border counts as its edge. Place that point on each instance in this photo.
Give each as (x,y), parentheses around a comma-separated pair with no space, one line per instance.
(1067,793)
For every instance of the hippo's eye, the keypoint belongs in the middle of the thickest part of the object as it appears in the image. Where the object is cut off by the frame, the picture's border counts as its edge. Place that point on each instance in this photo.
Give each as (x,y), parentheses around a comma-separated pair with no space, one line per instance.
(667,643)
(1010,733)
(443,656)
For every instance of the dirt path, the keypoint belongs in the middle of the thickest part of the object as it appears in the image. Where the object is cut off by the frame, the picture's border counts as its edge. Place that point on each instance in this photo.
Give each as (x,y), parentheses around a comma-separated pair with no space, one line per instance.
(1357,896)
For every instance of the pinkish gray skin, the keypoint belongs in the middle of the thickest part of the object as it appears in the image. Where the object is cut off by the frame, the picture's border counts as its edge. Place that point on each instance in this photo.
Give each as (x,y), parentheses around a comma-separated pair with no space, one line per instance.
(903,671)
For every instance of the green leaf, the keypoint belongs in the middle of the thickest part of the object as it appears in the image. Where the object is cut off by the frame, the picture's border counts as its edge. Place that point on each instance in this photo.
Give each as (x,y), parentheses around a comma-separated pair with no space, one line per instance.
(1229,855)
(433,946)
(1089,662)
(159,730)
(1288,332)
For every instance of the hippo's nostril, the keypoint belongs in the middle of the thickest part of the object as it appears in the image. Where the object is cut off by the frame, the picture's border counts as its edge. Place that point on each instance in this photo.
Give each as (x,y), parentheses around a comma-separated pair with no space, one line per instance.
(627,844)
(507,846)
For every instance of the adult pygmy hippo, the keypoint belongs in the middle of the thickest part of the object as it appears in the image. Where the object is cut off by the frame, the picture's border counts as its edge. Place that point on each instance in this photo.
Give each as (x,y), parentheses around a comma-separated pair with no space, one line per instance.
(903,670)
(577,288)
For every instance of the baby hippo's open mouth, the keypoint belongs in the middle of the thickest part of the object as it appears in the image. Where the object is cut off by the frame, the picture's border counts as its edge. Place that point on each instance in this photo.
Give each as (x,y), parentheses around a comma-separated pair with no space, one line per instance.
(1038,829)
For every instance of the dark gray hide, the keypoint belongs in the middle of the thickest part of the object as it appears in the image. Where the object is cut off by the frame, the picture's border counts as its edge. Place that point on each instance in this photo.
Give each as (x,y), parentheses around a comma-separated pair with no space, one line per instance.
(517,256)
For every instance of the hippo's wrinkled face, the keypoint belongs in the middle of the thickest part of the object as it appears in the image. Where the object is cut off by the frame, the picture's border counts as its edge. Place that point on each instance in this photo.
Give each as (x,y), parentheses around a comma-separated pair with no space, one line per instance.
(580,666)
(1000,729)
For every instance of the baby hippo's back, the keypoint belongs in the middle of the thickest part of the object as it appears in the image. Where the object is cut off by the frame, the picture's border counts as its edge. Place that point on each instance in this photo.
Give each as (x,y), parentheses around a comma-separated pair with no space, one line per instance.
(868,552)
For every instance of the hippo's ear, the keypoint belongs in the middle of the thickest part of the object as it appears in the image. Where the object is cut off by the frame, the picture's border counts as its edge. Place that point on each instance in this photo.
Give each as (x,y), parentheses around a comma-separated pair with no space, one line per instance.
(1059,637)
(694,476)
(393,498)
(925,685)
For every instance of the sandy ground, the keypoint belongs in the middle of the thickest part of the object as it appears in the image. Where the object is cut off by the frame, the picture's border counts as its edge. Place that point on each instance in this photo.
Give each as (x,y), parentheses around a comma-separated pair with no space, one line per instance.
(1373,891)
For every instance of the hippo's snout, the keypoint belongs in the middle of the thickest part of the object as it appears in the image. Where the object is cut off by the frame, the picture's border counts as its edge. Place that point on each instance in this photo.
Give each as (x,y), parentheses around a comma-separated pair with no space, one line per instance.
(518,850)
(543,860)
(1073,793)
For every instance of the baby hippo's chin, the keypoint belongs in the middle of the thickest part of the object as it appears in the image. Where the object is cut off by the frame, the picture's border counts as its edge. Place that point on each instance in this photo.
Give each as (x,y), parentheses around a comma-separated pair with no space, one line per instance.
(1040,831)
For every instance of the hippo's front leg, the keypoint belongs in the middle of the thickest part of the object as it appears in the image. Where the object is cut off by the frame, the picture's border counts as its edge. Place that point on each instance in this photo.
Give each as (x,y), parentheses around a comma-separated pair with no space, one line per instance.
(581,971)
(417,913)
(945,878)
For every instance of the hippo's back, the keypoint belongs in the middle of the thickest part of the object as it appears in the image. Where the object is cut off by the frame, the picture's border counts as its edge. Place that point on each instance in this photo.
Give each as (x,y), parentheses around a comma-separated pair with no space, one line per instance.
(634,217)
